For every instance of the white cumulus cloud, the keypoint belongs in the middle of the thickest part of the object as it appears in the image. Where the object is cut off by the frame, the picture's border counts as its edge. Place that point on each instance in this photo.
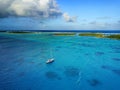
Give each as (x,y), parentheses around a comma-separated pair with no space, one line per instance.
(68,18)
(33,8)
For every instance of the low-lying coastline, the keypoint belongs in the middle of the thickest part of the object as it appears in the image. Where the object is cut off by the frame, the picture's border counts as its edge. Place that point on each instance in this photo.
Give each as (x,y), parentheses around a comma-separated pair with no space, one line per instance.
(114,36)
(64,34)
(91,34)
(19,32)
(101,35)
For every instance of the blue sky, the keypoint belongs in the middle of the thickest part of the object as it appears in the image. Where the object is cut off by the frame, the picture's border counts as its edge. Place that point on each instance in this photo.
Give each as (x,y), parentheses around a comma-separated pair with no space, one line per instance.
(60,15)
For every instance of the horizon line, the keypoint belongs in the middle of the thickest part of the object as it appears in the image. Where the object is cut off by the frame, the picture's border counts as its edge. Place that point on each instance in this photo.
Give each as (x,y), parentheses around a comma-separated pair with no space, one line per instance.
(105,31)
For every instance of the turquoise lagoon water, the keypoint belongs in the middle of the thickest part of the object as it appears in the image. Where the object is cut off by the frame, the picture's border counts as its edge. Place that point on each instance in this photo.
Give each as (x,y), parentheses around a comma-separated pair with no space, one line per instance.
(81,63)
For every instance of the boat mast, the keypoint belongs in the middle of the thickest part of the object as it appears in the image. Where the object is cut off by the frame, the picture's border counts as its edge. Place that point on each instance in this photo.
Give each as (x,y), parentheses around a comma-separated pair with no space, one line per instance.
(51,54)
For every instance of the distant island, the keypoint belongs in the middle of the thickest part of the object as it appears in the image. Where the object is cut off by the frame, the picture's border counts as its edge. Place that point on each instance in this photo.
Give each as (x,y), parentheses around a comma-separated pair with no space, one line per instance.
(65,34)
(98,34)
(101,35)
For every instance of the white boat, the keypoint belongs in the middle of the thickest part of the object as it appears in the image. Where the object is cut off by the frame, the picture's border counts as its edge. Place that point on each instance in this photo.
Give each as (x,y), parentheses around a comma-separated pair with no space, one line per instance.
(50,61)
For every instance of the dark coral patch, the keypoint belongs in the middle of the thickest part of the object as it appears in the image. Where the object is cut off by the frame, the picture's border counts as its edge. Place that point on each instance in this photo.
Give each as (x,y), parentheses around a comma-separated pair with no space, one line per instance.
(86,54)
(21,74)
(105,67)
(116,59)
(115,47)
(8,69)
(86,45)
(71,72)
(99,53)
(69,42)
(39,64)
(117,51)
(59,47)
(52,75)
(32,62)
(94,82)
(20,61)
(116,71)
(108,67)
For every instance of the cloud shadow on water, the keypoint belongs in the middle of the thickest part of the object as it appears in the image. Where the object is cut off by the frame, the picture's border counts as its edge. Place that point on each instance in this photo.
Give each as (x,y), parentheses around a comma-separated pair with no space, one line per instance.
(71,71)
(99,53)
(114,70)
(52,75)
(94,82)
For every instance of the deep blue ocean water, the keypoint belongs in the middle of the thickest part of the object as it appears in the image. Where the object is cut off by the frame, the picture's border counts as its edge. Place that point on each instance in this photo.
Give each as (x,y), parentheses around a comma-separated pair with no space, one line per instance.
(81,63)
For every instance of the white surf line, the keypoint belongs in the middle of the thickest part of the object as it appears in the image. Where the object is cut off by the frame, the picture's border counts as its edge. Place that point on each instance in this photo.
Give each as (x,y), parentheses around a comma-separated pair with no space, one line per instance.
(80,74)
(79,78)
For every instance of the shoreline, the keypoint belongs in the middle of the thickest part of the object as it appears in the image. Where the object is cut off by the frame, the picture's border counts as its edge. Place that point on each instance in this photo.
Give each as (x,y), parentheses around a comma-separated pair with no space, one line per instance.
(91,34)
(79,31)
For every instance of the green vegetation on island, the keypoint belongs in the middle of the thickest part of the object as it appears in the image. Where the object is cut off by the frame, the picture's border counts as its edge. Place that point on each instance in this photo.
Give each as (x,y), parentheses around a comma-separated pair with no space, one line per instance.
(64,34)
(113,36)
(99,35)
(20,32)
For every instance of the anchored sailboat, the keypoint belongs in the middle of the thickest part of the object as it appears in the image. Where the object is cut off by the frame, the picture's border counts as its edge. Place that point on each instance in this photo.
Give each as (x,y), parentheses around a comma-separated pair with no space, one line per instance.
(51,60)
